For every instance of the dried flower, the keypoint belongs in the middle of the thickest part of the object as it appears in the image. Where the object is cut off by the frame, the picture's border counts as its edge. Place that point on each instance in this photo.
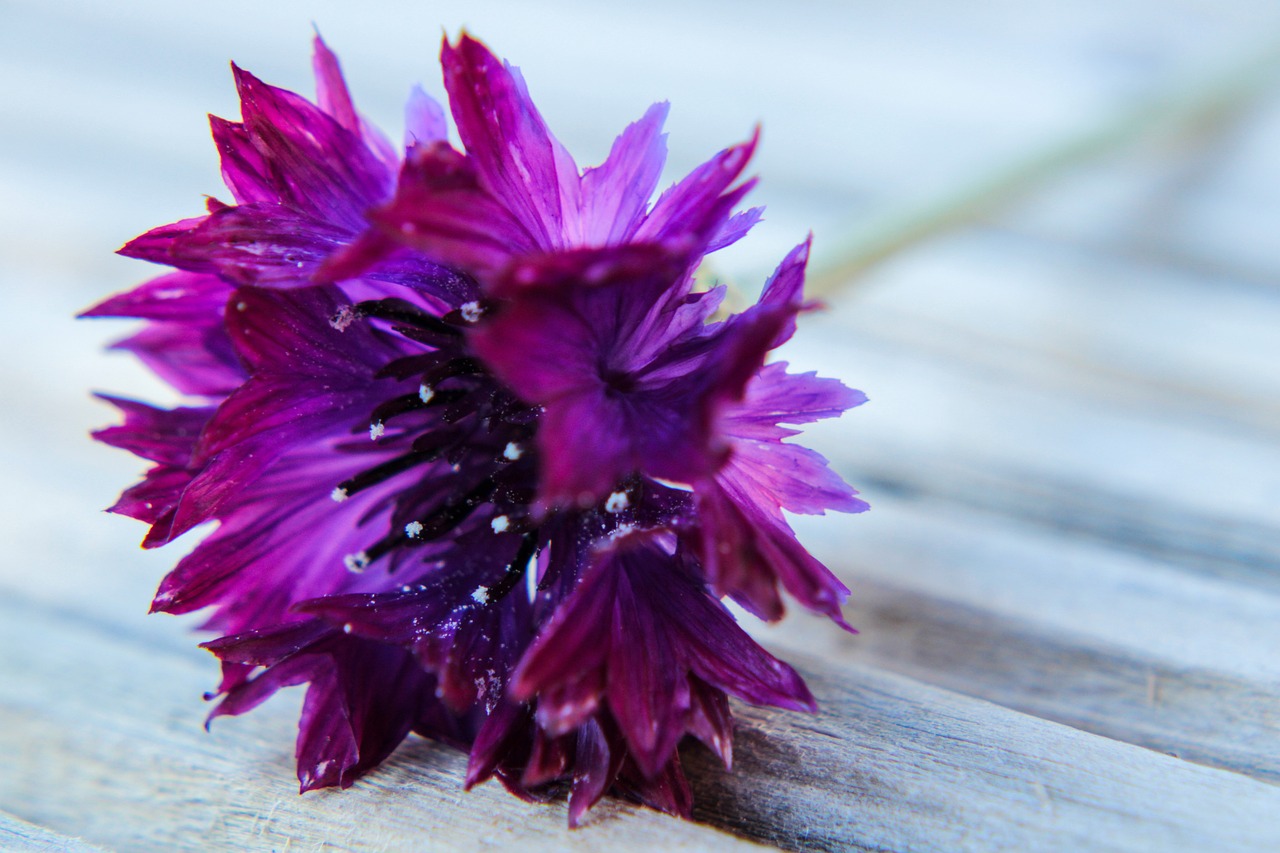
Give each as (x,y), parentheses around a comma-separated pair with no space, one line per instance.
(482,463)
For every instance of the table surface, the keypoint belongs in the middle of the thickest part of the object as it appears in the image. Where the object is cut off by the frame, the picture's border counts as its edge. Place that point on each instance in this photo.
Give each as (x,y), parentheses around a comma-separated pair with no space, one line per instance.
(1068,589)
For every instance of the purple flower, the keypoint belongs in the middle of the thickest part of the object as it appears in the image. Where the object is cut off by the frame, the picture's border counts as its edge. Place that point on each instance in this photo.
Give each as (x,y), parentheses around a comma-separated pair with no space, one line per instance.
(483,461)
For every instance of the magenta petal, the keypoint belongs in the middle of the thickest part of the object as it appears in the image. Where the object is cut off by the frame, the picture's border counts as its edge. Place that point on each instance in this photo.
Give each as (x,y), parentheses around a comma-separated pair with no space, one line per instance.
(502,730)
(310,380)
(442,211)
(668,791)
(587,446)
(423,119)
(470,645)
(710,720)
(784,289)
(331,89)
(625,376)
(516,157)
(701,203)
(638,596)
(264,558)
(155,499)
(176,297)
(648,694)
(735,228)
(595,766)
(311,163)
(196,360)
(254,244)
(363,698)
(334,98)
(747,549)
(775,397)
(245,168)
(161,435)
(616,193)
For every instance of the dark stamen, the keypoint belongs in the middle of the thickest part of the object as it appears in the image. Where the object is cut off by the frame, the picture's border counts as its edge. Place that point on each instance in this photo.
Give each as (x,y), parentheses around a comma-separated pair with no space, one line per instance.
(404,313)
(385,471)
(517,567)
(412,402)
(462,366)
(448,516)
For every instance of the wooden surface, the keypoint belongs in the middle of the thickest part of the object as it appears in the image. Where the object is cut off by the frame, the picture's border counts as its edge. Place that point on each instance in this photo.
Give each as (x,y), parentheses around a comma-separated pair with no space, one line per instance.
(1068,588)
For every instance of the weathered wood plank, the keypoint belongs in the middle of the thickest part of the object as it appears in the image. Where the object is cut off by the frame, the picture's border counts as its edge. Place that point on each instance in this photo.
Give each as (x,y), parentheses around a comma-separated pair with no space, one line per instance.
(18,836)
(102,738)
(1057,626)
(894,765)
(1132,334)
(1201,715)
(1021,80)
(890,763)
(981,434)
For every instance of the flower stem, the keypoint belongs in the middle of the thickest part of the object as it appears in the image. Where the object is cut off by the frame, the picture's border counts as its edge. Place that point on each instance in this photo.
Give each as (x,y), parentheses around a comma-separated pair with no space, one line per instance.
(1199,106)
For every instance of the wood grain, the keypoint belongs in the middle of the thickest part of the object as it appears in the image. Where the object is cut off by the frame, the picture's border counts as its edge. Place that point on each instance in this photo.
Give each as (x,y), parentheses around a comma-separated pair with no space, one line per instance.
(112,720)
(903,766)
(892,764)
(18,836)
(1201,715)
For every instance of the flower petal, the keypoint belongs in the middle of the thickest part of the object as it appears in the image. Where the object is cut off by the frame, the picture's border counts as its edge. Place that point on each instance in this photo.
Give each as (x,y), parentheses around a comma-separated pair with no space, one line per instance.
(364,697)
(699,206)
(517,159)
(423,119)
(615,194)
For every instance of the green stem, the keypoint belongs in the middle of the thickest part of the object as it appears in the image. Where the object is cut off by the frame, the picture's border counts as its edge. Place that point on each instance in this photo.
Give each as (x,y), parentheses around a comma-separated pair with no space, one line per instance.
(1177,111)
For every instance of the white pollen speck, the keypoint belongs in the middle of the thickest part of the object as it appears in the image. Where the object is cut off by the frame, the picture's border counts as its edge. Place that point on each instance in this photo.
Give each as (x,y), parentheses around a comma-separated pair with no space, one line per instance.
(617,502)
(481,595)
(240,306)
(338,494)
(357,562)
(412,529)
(376,430)
(513,451)
(500,523)
(347,628)
(471,312)
(425,393)
(345,317)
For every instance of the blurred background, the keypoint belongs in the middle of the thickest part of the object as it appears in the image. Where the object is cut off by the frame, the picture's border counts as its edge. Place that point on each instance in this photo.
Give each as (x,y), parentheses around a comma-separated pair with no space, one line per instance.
(1047,234)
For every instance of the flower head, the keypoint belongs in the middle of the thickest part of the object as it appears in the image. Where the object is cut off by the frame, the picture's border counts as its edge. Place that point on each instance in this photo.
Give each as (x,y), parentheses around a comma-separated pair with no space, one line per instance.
(482,459)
